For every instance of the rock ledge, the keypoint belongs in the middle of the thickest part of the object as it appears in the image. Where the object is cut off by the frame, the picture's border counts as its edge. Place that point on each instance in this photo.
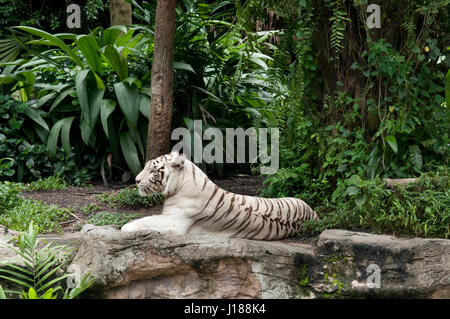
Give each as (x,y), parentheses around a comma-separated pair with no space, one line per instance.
(343,264)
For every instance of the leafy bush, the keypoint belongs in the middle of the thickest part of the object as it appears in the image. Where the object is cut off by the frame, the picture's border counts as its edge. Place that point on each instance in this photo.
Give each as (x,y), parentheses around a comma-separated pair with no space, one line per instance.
(16,212)
(20,143)
(50,183)
(47,217)
(39,273)
(87,91)
(12,12)
(350,117)
(107,218)
(420,209)
(221,77)
(129,197)
(8,196)
(23,153)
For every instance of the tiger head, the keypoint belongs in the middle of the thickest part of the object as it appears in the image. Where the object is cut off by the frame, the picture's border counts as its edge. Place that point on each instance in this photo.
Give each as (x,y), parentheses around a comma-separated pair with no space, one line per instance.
(161,174)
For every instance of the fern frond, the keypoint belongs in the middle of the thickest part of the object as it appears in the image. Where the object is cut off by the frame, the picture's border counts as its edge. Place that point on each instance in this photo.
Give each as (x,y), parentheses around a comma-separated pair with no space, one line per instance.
(339,20)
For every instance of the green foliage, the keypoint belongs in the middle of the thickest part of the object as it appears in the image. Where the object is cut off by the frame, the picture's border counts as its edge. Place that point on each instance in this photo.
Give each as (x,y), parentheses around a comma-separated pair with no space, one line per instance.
(339,19)
(23,155)
(129,197)
(86,92)
(420,209)
(93,9)
(89,208)
(350,117)
(81,103)
(107,218)
(16,212)
(8,195)
(221,71)
(28,210)
(50,183)
(38,270)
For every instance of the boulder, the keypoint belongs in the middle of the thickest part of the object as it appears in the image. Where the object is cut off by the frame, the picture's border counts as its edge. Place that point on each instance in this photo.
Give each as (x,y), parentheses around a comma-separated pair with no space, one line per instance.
(149,265)
(341,264)
(384,266)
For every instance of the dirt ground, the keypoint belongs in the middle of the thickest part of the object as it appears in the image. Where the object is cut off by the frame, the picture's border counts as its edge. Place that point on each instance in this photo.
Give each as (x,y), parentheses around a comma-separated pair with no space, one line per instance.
(80,198)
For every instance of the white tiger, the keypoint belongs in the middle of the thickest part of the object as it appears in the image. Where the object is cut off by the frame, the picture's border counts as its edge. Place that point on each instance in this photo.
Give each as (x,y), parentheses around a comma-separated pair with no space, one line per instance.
(195,205)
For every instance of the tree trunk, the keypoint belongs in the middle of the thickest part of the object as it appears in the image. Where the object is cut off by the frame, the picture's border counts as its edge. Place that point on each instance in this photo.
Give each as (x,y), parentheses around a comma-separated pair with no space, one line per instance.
(159,129)
(120,12)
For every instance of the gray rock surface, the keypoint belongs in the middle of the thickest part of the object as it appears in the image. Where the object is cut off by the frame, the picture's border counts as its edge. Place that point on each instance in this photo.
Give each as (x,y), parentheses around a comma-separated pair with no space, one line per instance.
(340,264)
(406,267)
(343,264)
(149,265)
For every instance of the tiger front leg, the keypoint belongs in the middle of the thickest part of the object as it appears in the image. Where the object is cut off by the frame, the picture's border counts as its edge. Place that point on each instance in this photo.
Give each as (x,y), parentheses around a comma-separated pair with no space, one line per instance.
(173,225)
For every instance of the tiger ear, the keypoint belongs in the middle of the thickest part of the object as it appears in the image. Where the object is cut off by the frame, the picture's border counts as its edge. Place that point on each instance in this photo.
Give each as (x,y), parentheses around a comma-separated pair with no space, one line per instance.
(177,160)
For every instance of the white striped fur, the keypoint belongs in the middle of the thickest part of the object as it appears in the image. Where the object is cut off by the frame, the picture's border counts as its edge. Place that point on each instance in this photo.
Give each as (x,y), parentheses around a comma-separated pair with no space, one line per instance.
(195,205)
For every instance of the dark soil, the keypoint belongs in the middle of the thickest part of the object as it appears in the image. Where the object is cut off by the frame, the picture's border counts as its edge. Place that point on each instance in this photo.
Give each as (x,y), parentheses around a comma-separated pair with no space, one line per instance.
(80,199)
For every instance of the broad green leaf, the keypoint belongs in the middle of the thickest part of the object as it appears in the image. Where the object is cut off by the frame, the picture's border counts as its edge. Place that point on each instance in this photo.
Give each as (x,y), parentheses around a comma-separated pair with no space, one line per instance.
(113,57)
(392,141)
(53,40)
(130,153)
(90,98)
(144,105)
(65,134)
(48,294)
(106,108)
(32,294)
(147,91)
(111,34)
(128,98)
(26,80)
(183,66)
(64,125)
(99,82)
(124,39)
(132,80)
(415,156)
(44,99)
(352,190)
(260,62)
(361,199)
(80,85)
(6,79)
(27,77)
(89,47)
(60,98)
(36,117)
(260,56)
(354,180)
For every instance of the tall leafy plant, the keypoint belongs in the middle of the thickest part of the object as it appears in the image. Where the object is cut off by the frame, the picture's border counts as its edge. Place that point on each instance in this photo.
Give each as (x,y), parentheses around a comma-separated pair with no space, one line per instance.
(221,72)
(106,100)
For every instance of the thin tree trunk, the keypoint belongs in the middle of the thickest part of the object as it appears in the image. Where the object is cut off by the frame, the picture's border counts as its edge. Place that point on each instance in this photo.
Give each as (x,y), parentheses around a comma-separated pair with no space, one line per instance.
(120,12)
(159,129)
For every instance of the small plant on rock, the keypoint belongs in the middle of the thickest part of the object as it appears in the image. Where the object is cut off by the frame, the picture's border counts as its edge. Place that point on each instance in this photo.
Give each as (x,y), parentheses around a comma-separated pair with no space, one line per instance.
(38,270)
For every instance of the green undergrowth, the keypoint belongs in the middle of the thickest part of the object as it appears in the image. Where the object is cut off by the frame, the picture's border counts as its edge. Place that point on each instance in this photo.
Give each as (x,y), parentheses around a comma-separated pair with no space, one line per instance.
(129,197)
(17,213)
(107,218)
(55,182)
(419,209)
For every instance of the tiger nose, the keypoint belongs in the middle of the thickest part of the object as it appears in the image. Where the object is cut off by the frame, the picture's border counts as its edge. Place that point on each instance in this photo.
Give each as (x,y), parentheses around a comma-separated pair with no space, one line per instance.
(138,180)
